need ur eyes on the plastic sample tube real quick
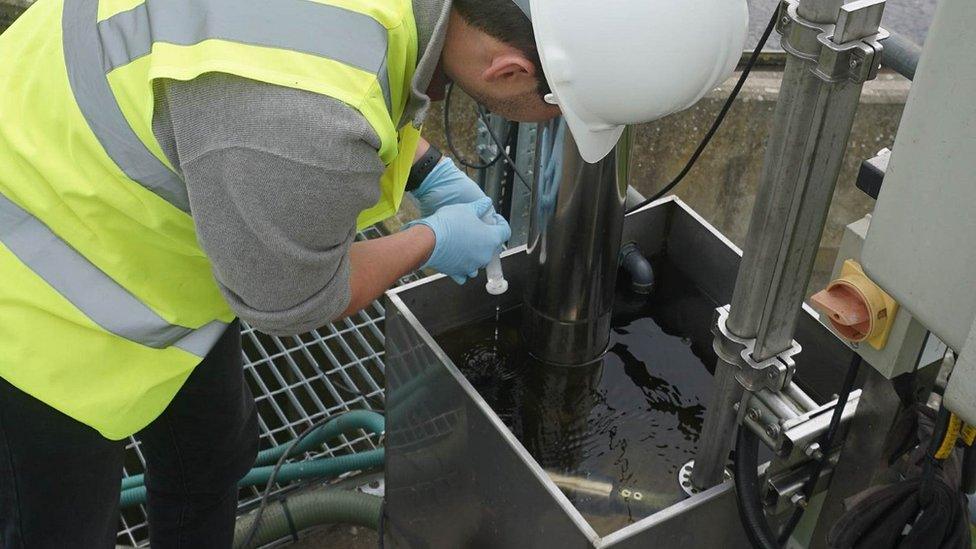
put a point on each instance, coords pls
(497, 285)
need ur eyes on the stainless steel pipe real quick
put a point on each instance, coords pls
(574, 240)
(806, 146)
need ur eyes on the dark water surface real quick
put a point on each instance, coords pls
(615, 432)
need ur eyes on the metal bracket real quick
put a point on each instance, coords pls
(800, 435)
(782, 490)
(796, 444)
(795, 439)
(848, 51)
(773, 373)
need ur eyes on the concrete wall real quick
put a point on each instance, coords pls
(723, 184)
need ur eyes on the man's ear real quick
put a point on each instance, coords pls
(508, 66)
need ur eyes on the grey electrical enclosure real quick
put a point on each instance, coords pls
(921, 247)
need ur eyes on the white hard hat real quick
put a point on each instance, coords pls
(611, 63)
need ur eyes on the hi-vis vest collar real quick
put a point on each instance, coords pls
(92, 51)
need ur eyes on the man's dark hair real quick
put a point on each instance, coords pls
(503, 20)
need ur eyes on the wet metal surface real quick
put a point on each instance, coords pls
(457, 474)
(627, 422)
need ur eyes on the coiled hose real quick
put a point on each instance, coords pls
(134, 490)
(302, 511)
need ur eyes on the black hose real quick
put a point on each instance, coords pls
(638, 268)
(901, 55)
(826, 443)
(747, 490)
(747, 475)
(969, 470)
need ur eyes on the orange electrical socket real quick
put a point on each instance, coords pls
(857, 308)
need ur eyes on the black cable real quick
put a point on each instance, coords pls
(747, 488)
(367, 397)
(718, 120)
(969, 470)
(929, 463)
(382, 523)
(826, 443)
(502, 153)
(450, 140)
(501, 148)
(265, 496)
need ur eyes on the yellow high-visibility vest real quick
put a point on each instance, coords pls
(107, 302)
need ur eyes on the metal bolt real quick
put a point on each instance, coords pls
(625, 493)
(638, 496)
(813, 450)
(855, 63)
(772, 431)
(754, 414)
(798, 500)
(785, 20)
(771, 374)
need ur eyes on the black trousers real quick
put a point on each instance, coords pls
(59, 479)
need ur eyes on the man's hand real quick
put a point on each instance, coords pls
(466, 238)
(446, 185)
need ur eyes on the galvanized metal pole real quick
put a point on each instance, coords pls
(811, 127)
(521, 196)
(574, 240)
(820, 11)
(491, 178)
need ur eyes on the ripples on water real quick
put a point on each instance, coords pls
(629, 421)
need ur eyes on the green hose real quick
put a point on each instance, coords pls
(371, 422)
(316, 468)
(307, 509)
(134, 490)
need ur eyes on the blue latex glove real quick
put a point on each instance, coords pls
(445, 185)
(467, 236)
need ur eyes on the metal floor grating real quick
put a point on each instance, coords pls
(296, 381)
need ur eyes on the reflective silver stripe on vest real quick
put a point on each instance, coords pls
(92, 50)
(83, 60)
(304, 26)
(93, 292)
